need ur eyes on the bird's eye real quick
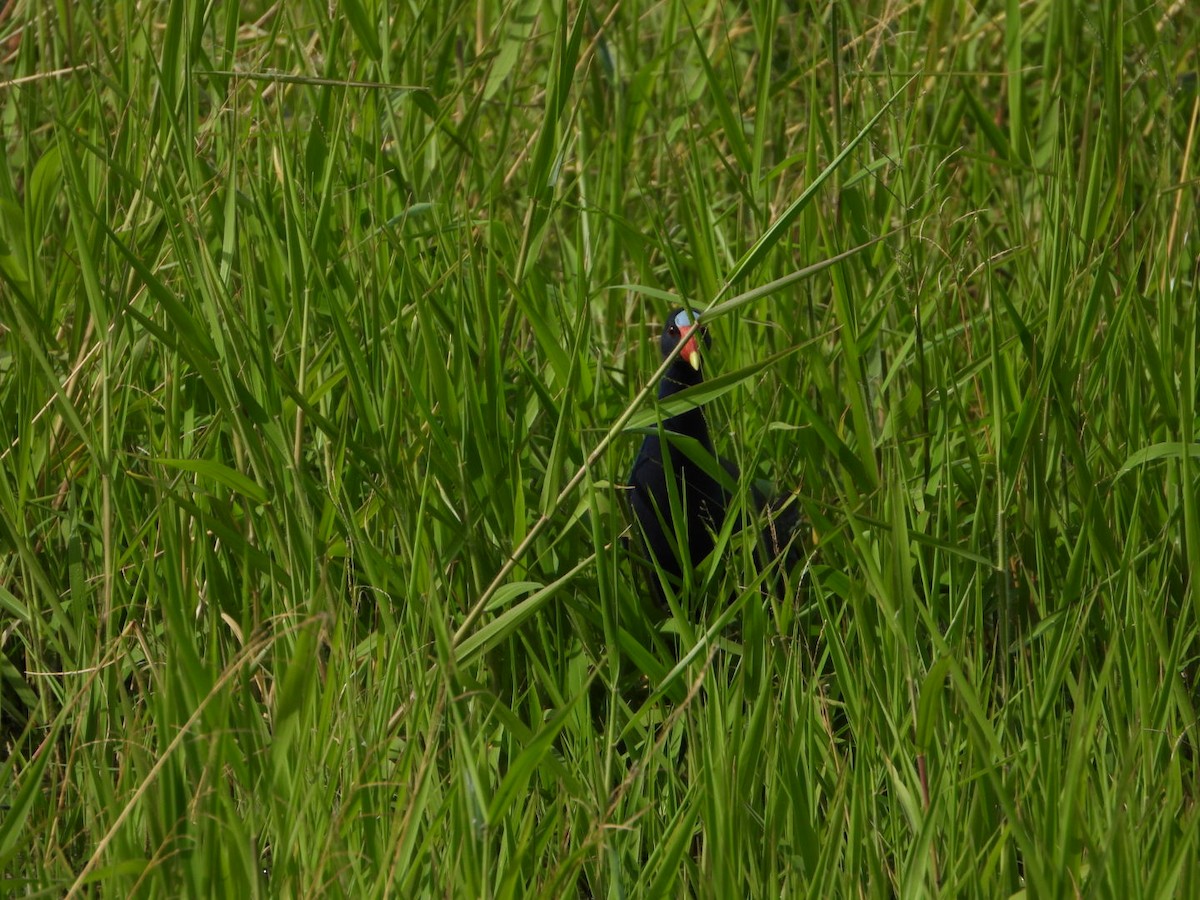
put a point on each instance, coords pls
(673, 331)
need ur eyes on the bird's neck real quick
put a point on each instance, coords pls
(692, 421)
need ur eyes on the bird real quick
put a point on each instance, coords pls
(689, 468)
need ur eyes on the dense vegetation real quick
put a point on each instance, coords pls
(326, 337)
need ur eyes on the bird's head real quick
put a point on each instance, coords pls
(685, 326)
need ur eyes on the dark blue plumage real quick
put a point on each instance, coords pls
(702, 501)
(701, 497)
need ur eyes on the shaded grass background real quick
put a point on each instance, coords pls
(306, 320)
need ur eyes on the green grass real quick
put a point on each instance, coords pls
(320, 341)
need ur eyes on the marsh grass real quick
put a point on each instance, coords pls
(321, 341)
